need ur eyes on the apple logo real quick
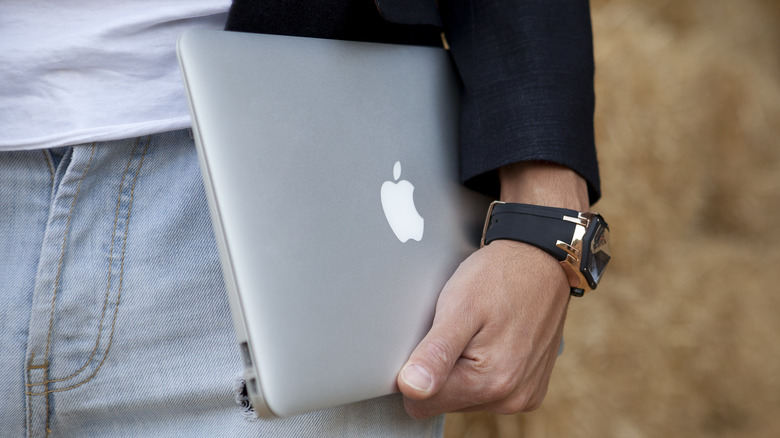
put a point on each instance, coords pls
(398, 204)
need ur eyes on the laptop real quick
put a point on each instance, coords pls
(331, 170)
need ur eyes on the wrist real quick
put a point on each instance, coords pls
(545, 184)
(578, 240)
(567, 231)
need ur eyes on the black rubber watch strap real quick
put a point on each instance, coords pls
(539, 226)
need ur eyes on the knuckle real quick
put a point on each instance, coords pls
(497, 391)
(535, 402)
(509, 409)
(511, 399)
(531, 402)
(519, 403)
(503, 385)
(533, 405)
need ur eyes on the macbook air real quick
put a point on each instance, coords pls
(331, 170)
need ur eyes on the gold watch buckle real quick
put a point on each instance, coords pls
(573, 249)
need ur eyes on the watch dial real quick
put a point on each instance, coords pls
(599, 253)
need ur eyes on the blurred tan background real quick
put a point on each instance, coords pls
(682, 338)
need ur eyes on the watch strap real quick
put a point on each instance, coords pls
(539, 226)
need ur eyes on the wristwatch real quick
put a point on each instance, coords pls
(579, 241)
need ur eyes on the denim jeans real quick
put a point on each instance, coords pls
(113, 315)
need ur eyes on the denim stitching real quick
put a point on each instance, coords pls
(45, 365)
(119, 292)
(50, 165)
(62, 255)
(30, 366)
(108, 287)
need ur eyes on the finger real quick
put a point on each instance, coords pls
(484, 380)
(525, 398)
(458, 392)
(472, 387)
(481, 375)
(520, 401)
(430, 364)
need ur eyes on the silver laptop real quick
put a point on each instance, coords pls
(331, 169)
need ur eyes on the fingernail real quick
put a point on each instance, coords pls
(417, 377)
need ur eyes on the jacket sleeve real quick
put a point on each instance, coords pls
(527, 70)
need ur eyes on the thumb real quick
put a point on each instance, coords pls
(432, 361)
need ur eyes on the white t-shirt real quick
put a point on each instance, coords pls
(78, 71)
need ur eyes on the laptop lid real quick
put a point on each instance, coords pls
(331, 169)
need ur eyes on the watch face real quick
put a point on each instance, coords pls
(596, 259)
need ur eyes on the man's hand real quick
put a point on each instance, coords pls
(499, 319)
(495, 336)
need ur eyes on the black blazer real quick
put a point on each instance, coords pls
(526, 68)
